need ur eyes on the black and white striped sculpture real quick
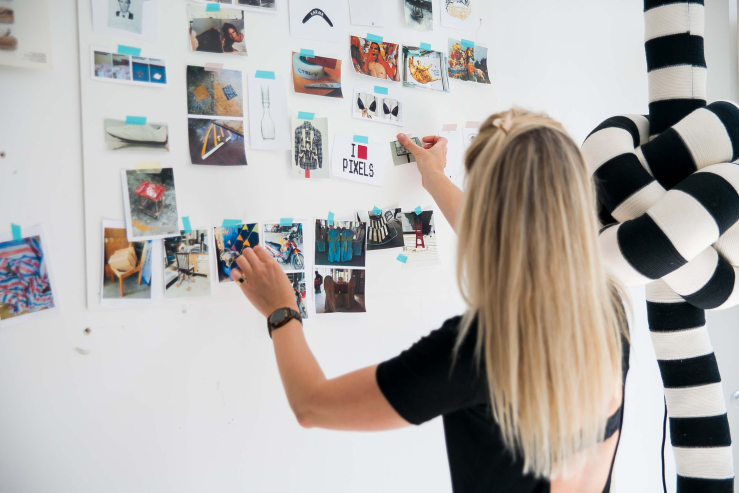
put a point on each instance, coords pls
(669, 200)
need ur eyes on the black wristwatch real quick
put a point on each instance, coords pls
(281, 317)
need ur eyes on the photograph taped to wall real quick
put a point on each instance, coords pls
(285, 244)
(341, 244)
(419, 236)
(297, 280)
(310, 156)
(187, 265)
(469, 132)
(269, 120)
(419, 14)
(367, 13)
(459, 14)
(339, 290)
(216, 142)
(400, 154)
(149, 136)
(135, 19)
(27, 287)
(454, 168)
(150, 203)
(214, 92)
(319, 76)
(109, 66)
(468, 63)
(230, 242)
(25, 34)
(384, 229)
(425, 69)
(221, 31)
(322, 20)
(377, 107)
(375, 59)
(264, 6)
(358, 161)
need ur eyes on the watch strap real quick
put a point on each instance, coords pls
(290, 315)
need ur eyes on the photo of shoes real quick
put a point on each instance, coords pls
(119, 135)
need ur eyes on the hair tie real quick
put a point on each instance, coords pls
(504, 125)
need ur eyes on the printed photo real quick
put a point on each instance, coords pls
(384, 229)
(341, 243)
(216, 142)
(186, 265)
(150, 203)
(114, 67)
(216, 32)
(214, 92)
(126, 15)
(468, 63)
(319, 76)
(297, 279)
(311, 148)
(136, 19)
(425, 69)
(376, 107)
(375, 59)
(459, 14)
(400, 154)
(419, 14)
(127, 267)
(150, 136)
(419, 237)
(322, 20)
(230, 242)
(103, 64)
(285, 244)
(269, 121)
(121, 67)
(367, 12)
(339, 290)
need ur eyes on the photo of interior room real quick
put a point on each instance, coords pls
(127, 266)
(341, 243)
(187, 265)
(341, 291)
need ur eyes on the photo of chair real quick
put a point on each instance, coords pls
(126, 259)
(185, 269)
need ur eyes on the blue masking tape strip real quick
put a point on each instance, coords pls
(230, 223)
(374, 38)
(468, 44)
(307, 53)
(330, 219)
(16, 231)
(286, 221)
(264, 74)
(402, 258)
(376, 210)
(305, 116)
(213, 7)
(361, 139)
(418, 210)
(129, 50)
(135, 120)
(381, 90)
(425, 46)
(186, 224)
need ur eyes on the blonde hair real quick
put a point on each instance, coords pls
(549, 321)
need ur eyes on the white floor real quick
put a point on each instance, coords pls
(198, 286)
(422, 257)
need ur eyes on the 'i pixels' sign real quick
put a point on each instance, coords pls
(358, 160)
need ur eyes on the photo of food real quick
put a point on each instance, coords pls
(419, 14)
(216, 142)
(127, 267)
(214, 92)
(186, 265)
(400, 154)
(230, 241)
(151, 136)
(468, 63)
(425, 69)
(375, 58)
(339, 290)
(342, 242)
(150, 203)
(220, 31)
(319, 76)
(376, 107)
(297, 279)
(384, 229)
(25, 282)
(419, 236)
(285, 244)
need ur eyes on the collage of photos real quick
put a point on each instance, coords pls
(339, 290)
(342, 243)
(376, 107)
(127, 267)
(230, 242)
(375, 59)
(285, 244)
(317, 75)
(186, 265)
(400, 154)
(425, 69)
(113, 67)
(311, 148)
(419, 237)
(149, 136)
(216, 142)
(221, 31)
(150, 204)
(384, 229)
(297, 279)
(269, 121)
(321, 20)
(264, 6)
(468, 63)
(419, 14)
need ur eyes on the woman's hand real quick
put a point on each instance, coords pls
(266, 285)
(431, 158)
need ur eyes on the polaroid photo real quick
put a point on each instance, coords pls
(400, 154)
(187, 265)
(378, 107)
(216, 142)
(27, 288)
(419, 237)
(216, 32)
(367, 13)
(469, 132)
(375, 59)
(425, 69)
(285, 244)
(269, 121)
(297, 279)
(319, 76)
(322, 20)
(468, 63)
(341, 244)
(358, 161)
(214, 92)
(339, 290)
(384, 229)
(454, 169)
(310, 158)
(109, 66)
(264, 6)
(460, 14)
(135, 19)
(230, 242)
(150, 136)
(150, 203)
(419, 14)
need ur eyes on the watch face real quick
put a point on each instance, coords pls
(278, 316)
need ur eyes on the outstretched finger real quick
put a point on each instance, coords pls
(263, 255)
(251, 257)
(244, 266)
(406, 142)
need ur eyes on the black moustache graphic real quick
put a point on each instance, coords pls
(320, 13)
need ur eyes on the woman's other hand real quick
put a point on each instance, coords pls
(267, 286)
(431, 158)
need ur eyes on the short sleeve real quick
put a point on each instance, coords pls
(424, 381)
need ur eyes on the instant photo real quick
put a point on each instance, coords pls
(376, 107)
(341, 243)
(230, 242)
(221, 31)
(150, 136)
(216, 142)
(384, 229)
(419, 237)
(339, 290)
(310, 153)
(187, 265)
(285, 245)
(150, 204)
(322, 20)
(319, 76)
(127, 267)
(269, 121)
(419, 14)
(214, 92)
(425, 69)
(468, 63)
(138, 70)
(400, 154)
(375, 59)
(297, 280)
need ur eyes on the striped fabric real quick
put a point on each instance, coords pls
(24, 282)
(669, 199)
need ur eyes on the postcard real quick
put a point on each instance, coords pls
(269, 120)
(297, 279)
(310, 148)
(214, 92)
(468, 63)
(460, 14)
(400, 154)
(110, 66)
(425, 69)
(322, 20)
(136, 19)
(358, 161)
(216, 142)
(419, 14)
(379, 107)
(221, 31)
(384, 228)
(367, 12)
(187, 265)
(150, 204)
(339, 290)
(419, 236)
(341, 244)
(375, 59)
(149, 136)
(285, 244)
(319, 76)
(230, 242)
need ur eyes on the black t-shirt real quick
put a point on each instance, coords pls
(421, 383)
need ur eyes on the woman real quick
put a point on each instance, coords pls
(233, 40)
(530, 380)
